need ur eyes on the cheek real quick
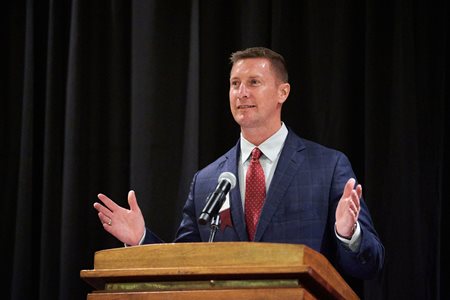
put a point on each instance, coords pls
(233, 93)
(232, 105)
(233, 98)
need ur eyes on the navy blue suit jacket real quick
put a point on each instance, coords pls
(299, 208)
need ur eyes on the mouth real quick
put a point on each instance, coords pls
(245, 106)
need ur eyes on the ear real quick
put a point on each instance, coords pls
(283, 91)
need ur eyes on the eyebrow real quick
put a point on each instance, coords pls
(250, 77)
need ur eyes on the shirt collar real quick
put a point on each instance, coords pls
(270, 147)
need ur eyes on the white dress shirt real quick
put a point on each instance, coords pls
(270, 148)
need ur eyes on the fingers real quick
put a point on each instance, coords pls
(106, 221)
(359, 191)
(114, 217)
(132, 201)
(353, 195)
(102, 210)
(354, 208)
(355, 203)
(108, 202)
(106, 211)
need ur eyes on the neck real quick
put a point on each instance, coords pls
(258, 135)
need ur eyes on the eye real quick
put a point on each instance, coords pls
(255, 82)
(234, 83)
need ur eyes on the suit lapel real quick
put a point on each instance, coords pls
(290, 160)
(235, 195)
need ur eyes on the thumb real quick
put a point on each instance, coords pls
(349, 188)
(132, 201)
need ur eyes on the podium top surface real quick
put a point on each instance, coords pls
(219, 254)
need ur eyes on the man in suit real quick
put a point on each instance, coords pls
(305, 193)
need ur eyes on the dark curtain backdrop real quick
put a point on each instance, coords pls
(107, 96)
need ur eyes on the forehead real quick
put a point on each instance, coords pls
(251, 67)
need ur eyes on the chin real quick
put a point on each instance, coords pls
(239, 118)
(248, 125)
(242, 121)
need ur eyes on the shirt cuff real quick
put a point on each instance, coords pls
(354, 242)
(141, 241)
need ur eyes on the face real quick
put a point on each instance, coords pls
(256, 94)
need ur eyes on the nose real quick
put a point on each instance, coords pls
(243, 91)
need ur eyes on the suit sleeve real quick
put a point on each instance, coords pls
(188, 230)
(367, 262)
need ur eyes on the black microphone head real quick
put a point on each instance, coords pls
(228, 176)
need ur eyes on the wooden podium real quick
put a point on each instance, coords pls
(220, 270)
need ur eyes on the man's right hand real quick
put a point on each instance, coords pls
(127, 225)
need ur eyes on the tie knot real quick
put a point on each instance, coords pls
(256, 153)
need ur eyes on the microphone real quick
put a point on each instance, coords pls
(227, 181)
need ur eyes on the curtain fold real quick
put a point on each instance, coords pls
(23, 264)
